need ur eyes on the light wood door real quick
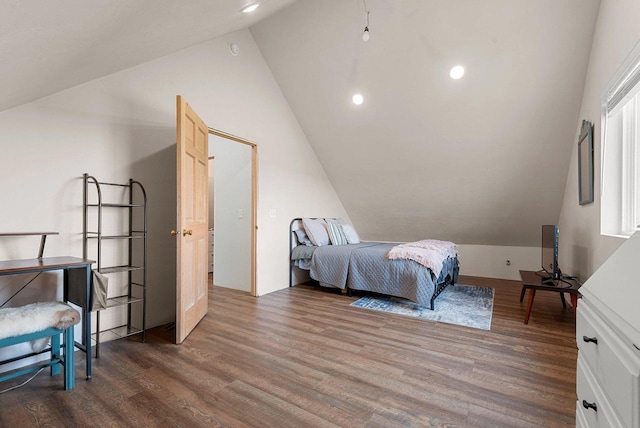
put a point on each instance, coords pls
(192, 220)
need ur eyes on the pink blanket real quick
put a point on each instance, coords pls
(430, 253)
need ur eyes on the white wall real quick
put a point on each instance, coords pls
(582, 248)
(123, 125)
(232, 194)
(489, 261)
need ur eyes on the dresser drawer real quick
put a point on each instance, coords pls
(614, 366)
(593, 409)
(581, 419)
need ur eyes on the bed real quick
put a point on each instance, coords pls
(363, 266)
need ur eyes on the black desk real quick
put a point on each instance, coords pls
(532, 281)
(43, 264)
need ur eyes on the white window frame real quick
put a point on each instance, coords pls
(620, 149)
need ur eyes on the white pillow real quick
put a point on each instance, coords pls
(336, 234)
(316, 231)
(351, 234)
(303, 239)
(338, 220)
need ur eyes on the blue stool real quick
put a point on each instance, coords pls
(58, 359)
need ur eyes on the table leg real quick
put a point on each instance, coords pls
(86, 317)
(574, 303)
(524, 290)
(80, 280)
(564, 302)
(532, 294)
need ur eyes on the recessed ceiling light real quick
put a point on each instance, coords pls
(251, 8)
(457, 72)
(357, 99)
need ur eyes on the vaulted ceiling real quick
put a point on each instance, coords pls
(480, 160)
(49, 46)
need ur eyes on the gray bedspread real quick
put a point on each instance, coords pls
(330, 263)
(364, 267)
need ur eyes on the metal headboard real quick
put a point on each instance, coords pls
(296, 224)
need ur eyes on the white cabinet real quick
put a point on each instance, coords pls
(608, 373)
(608, 339)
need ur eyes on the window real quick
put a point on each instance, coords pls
(620, 197)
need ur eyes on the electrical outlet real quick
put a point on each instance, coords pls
(508, 262)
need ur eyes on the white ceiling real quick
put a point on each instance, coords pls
(481, 160)
(48, 46)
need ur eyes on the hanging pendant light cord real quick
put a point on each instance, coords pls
(365, 35)
(366, 9)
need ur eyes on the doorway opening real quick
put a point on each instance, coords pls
(233, 194)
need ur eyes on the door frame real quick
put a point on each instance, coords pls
(211, 173)
(254, 198)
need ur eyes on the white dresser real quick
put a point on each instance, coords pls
(608, 338)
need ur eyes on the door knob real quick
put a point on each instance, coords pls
(175, 232)
(187, 232)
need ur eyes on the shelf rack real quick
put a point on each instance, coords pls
(137, 210)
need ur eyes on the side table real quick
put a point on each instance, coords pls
(533, 282)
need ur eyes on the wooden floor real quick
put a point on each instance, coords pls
(303, 357)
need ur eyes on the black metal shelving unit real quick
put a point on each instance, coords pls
(136, 235)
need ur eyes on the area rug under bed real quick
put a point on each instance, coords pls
(466, 305)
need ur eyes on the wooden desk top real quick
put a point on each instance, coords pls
(531, 279)
(9, 267)
(28, 233)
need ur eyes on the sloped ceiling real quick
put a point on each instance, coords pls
(49, 46)
(481, 160)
